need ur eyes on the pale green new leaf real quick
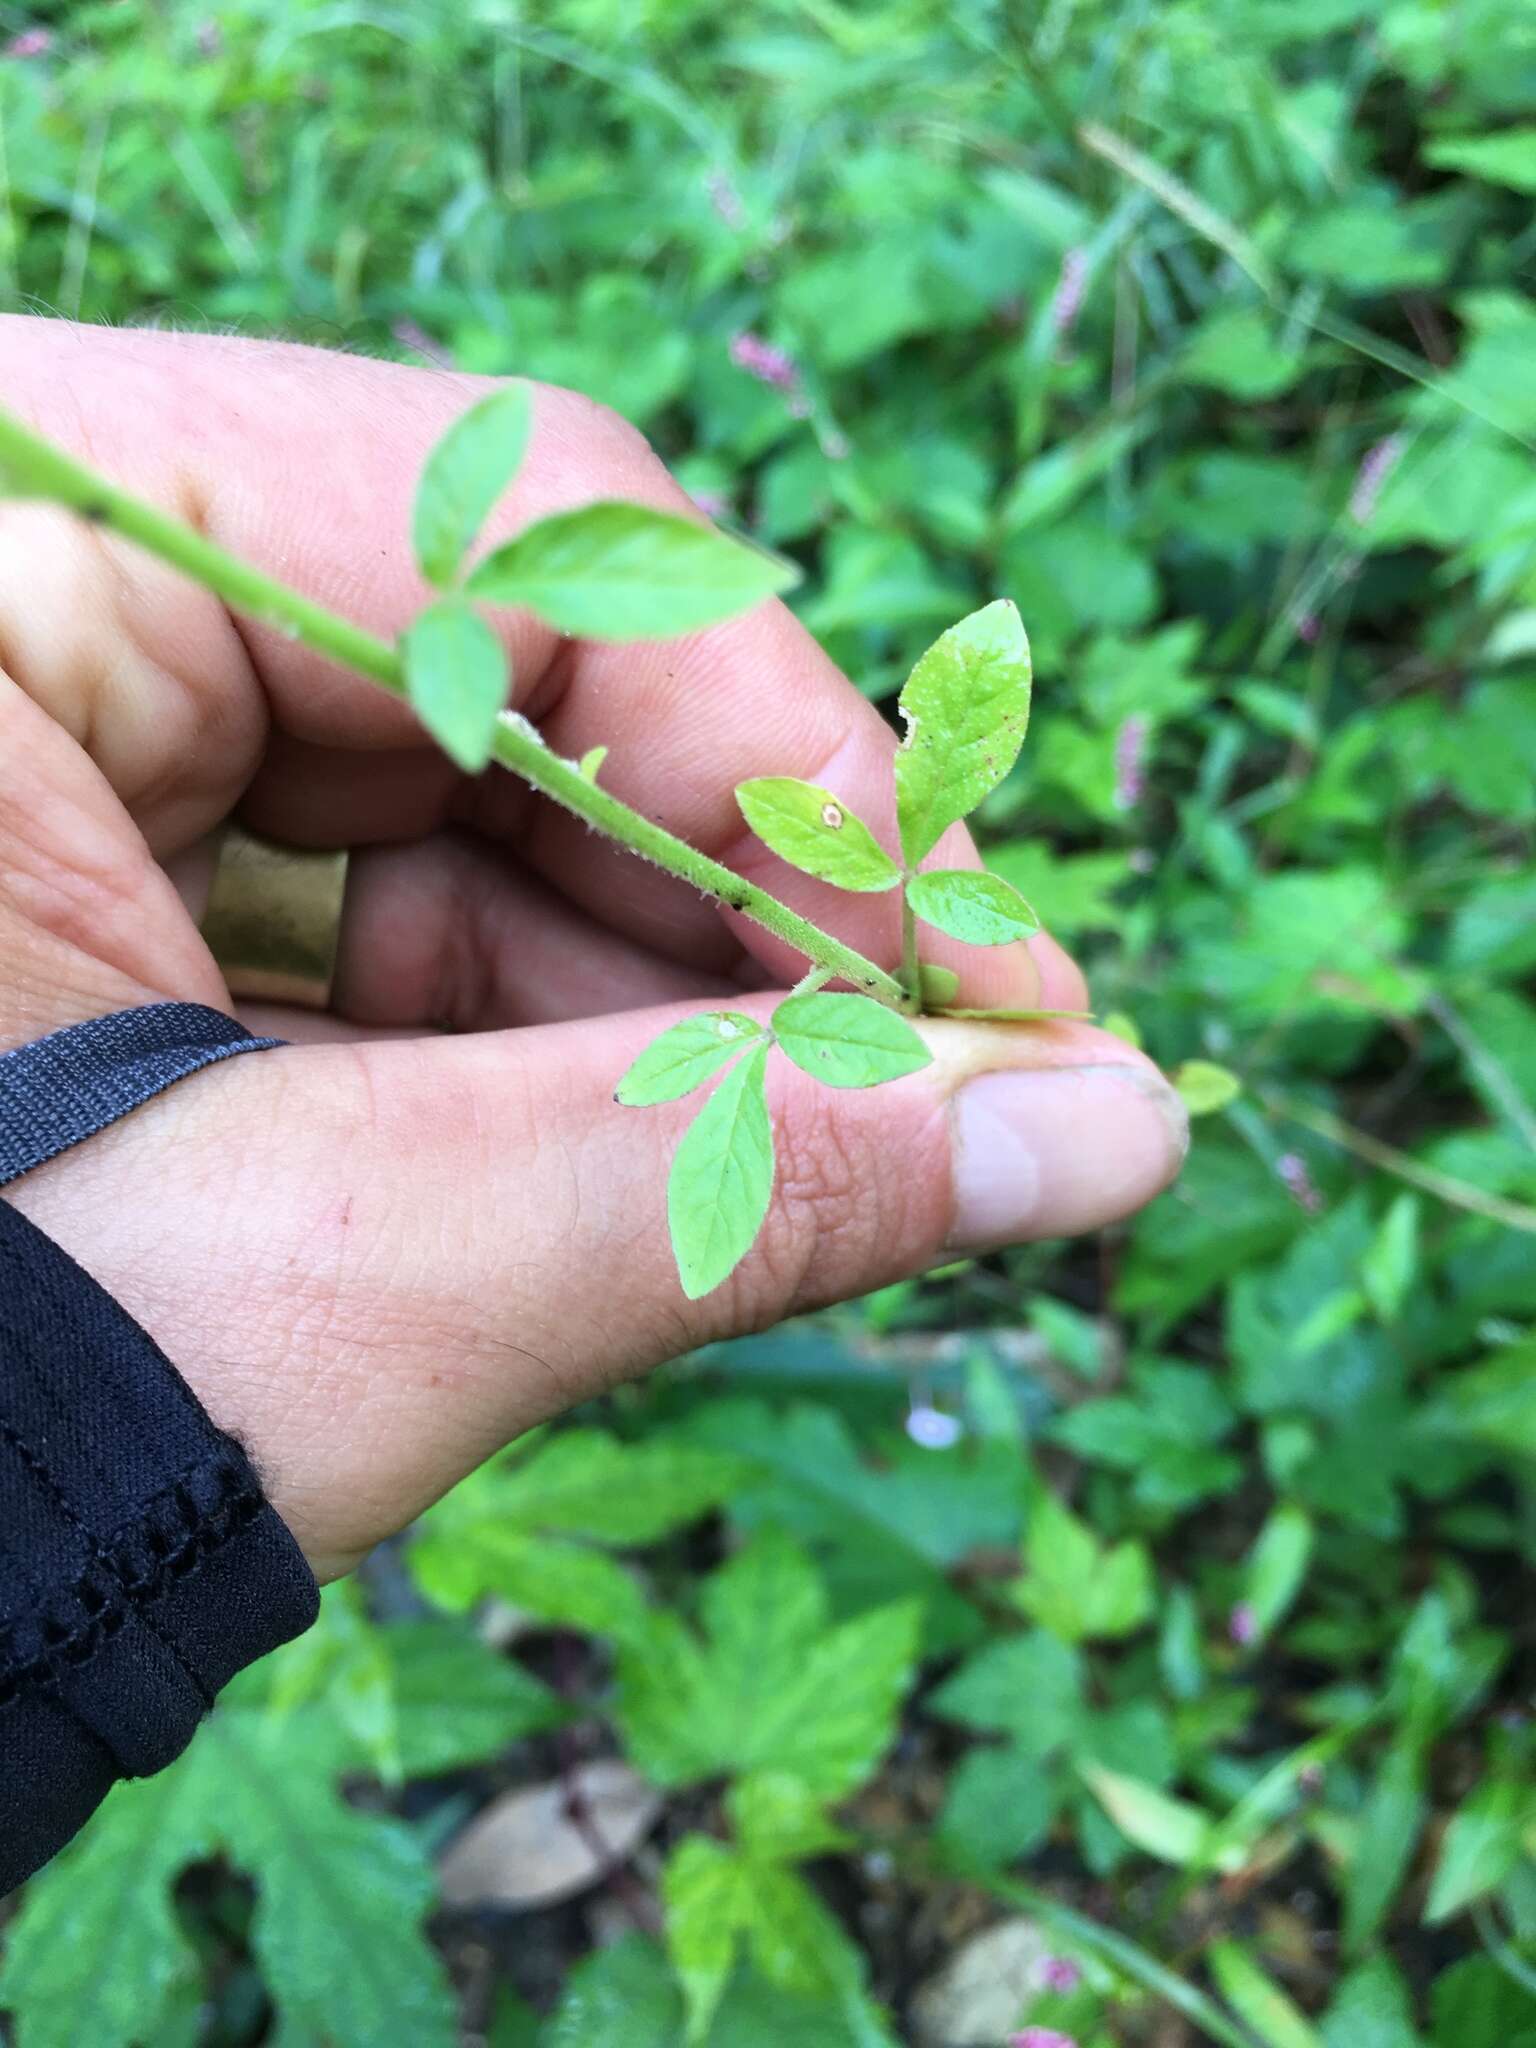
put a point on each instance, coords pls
(465, 474)
(979, 908)
(613, 571)
(722, 1179)
(457, 678)
(1277, 1565)
(584, 1482)
(848, 1041)
(778, 1819)
(685, 1056)
(562, 1583)
(1205, 1087)
(704, 1890)
(816, 832)
(966, 706)
(1256, 1998)
(1170, 1829)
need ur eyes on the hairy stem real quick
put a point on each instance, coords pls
(32, 467)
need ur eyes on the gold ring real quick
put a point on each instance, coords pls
(273, 920)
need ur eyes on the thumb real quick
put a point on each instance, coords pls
(379, 1262)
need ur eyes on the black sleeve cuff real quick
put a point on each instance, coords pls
(140, 1564)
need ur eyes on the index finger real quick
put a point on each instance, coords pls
(304, 463)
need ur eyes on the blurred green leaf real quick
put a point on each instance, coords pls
(458, 680)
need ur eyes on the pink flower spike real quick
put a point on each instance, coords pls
(1131, 762)
(1377, 465)
(772, 366)
(1068, 302)
(1242, 1624)
(1058, 1973)
(1041, 2037)
(32, 42)
(1298, 1182)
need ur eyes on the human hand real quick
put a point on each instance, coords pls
(377, 1255)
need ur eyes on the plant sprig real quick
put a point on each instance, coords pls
(619, 571)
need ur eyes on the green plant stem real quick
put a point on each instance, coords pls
(32, 467)
(1460, 1194)
(911, 971)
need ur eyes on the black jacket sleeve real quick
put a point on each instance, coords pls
(140, 1564)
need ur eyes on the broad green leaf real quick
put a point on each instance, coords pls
(966, 705)
(1206, 1087)
(979, 908)
(563, 1583)
(769, 1685)
(1030, 1687)
(778, 1819)
(1000, 1805)
(722, 1179)
(1507, 158)
(1482, 1846)
(1493, 1404)
(1277, 1566)
(1256, 1998)
(1372, 2008)
(1170, 1829)
(848, 1041)
(1384, 1843)
(1389, 1267)
(458, 679)
(816, 832)
(1073, 1585)
(464, 476)
(685, 1056)
(583, 1482)
(624, 572)
(98, 1954)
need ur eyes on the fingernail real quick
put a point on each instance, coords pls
(1049, 1151)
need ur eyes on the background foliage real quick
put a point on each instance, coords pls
(1163, 1598)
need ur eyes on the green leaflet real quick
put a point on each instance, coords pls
(1205, 1087)
(1170, 1829)
(686, 1055)
(966, 706)
(464, 476)
(722, 1178)
(1277, 1566)
(1482, 1846)
(1255, 1998)
(613, 571)
(814, 831)
(979, 908)
(848, 1041)
(458, 679)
